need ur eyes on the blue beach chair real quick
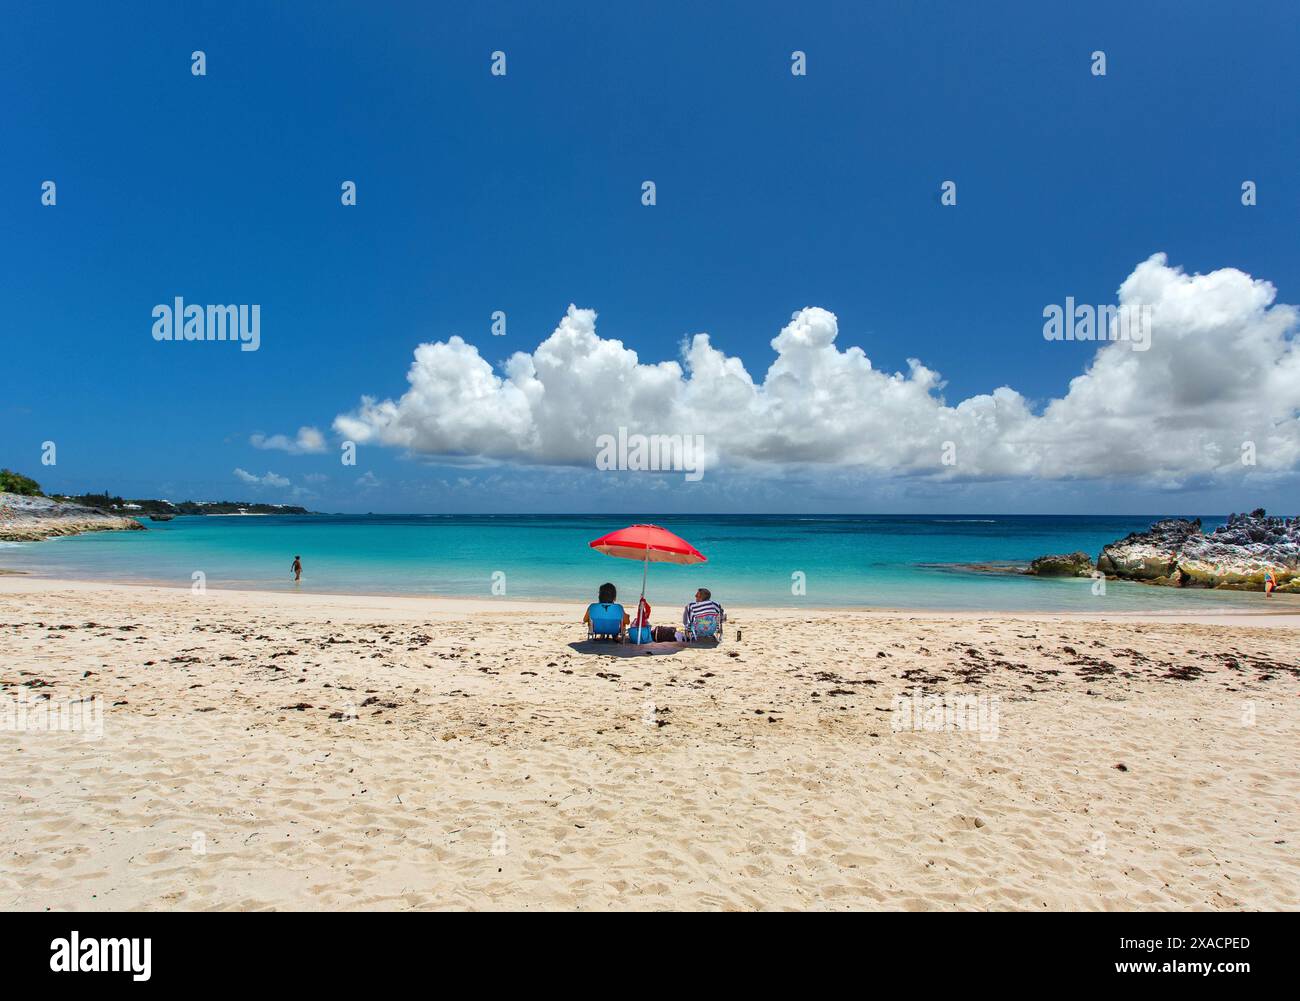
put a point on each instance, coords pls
(606, 620)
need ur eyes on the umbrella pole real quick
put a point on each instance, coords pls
(645, 567)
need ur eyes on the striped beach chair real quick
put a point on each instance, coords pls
(705, 626)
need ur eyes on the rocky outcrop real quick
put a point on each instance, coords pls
(31, 519)
(1068, 565)
(1151, 555)
(1234, 556)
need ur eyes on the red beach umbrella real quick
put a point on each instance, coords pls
(649, 544)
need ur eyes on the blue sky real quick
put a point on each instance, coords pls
(522, 193)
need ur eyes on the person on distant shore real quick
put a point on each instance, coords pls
(702, 605)
(297, 568)
(607, 602)
(1270, 582)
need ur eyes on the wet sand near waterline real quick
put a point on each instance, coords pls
(327, 752)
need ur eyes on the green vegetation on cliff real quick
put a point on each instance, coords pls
(16, 483)
(140, 506)
(25, 486)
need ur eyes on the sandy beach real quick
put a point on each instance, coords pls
(327, 752)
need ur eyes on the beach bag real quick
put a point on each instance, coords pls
(642, 633)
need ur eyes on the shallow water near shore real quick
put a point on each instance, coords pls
(883, 561)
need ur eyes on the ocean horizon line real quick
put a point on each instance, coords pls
(791, 515)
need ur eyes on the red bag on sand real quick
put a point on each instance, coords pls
(643, 612)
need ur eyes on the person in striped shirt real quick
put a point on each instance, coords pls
(702, 604)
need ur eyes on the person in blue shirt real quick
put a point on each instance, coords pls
(607, 602)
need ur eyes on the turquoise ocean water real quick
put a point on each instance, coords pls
(886, 561)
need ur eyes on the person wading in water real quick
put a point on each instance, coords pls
(297, 568)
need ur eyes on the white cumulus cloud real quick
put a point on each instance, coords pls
(269, 480)
(1223, 368)
(309, 440)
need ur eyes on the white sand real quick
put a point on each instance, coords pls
(492, 763)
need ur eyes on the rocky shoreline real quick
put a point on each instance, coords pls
(33, 519)
(1177, 553)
